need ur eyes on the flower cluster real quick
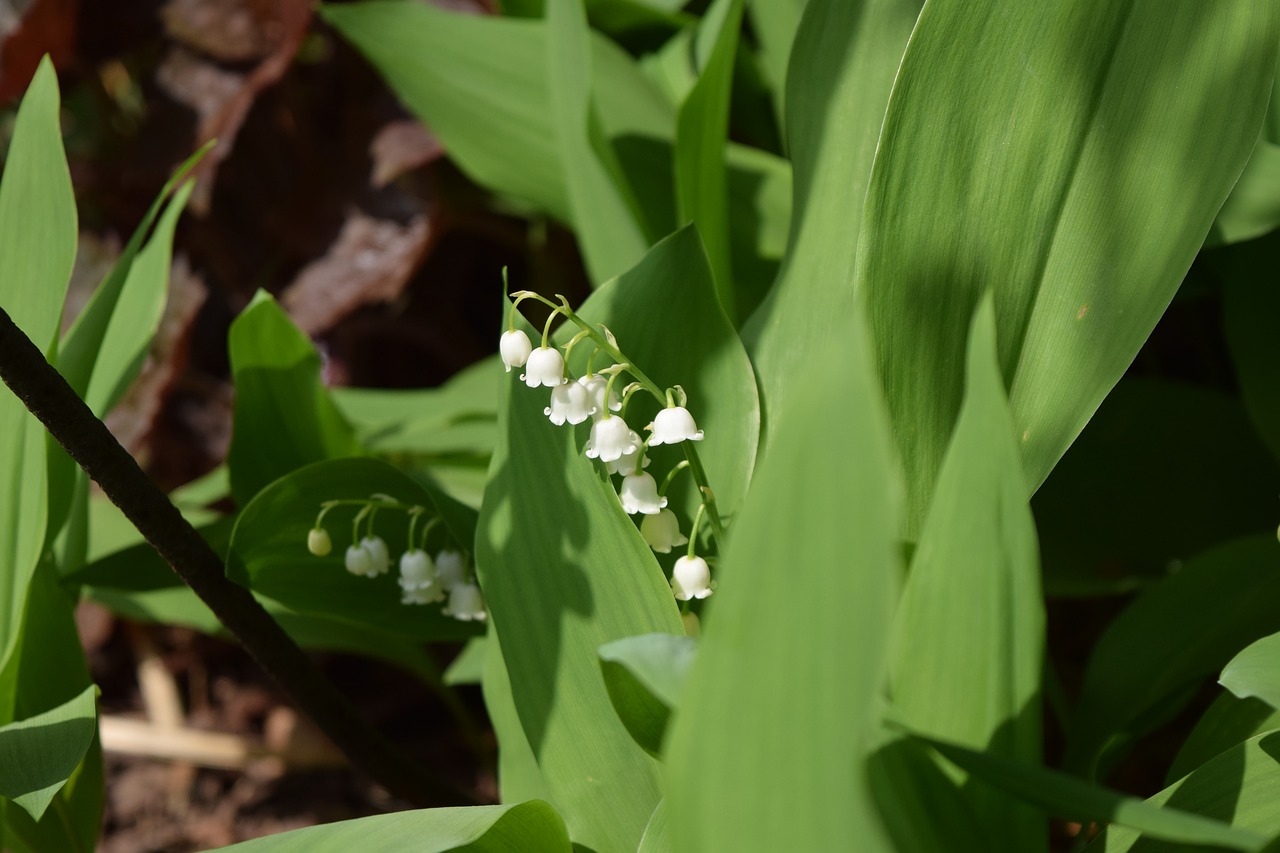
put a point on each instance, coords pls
(423, 579)
(621, 449)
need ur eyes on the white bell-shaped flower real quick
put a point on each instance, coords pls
(430, 595)
(515, 348)
(360, 562)
(662, 531)
(545, 366)
(627, 464)
(379, 556)
(451, 568)
(691, 578)
(639, 493)
(570, 402)
(673, 426)
(318, 542)
(465, 603)
(597, 386)
(611, 439)
(418, 578)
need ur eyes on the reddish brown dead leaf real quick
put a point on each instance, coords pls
(228, 30)
(371, 261)
(401, 146)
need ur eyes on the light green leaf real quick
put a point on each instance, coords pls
(38, 754)
(468, 666)
(283, 417)
(1228, 722)
(1167, 641)
(532, 827)
(1170, 494)
(644, 676)
(37, 249)
(843, 63)
(268, 549)
(1240, 788)
(1066, 796)
(921, 805)
(969, 632)
(766, 751)
(519, 777)
(702, 128)
(607, 229)
(1253, 208)
(1027, 150)
(564, 571)
(657, 835)
(775, 23)
(1255, 672)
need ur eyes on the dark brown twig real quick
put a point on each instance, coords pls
(43, 390)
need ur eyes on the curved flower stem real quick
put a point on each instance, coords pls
(695, 464)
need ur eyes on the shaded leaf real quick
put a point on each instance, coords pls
(1255, 672)
(1228, 722)
(644, 676)
(39, 753)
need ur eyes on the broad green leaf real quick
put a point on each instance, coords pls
(657, 835)
(138, 567)
(921, 805)
(1253, 208)
(1240, 787)
(1228, 722)
(564, 571)
(969, 632)
(775, 23)
(1167, 641)
(1255, 671)
(37, 248)
(702, 128)
(72, 820)
(607, 229)
(1251, 311)
(1066, 796)
(532, 827)
(283, 417)
(39, 753)
(268, 549)
(644, 676)
(766, 750)
(1170, 493)
(468, 666)
(519, 777)
(843, 62)
(1027, 150)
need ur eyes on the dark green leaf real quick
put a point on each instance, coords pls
(39, 753)
(1228, 722)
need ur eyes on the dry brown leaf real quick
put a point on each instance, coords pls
(399, 147)
(371, 261)
(228, 30)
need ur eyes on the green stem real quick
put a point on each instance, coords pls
(671, 475)
(708, 496)
(693, 532)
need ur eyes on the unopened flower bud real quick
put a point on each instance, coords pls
(318, 542)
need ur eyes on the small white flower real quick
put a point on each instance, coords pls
(570, 402)
(662, 531)
(691, 578)
(360, 561)
(639, 493)
(673, 426)
(430, 595)
(515, 348)
(596, 386)
(451, 568)
(379, 556)
(318, 542)
(627, 464)
(465, 603)
(611, 439)
(417, 572)
(545, 366)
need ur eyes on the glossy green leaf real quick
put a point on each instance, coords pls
(268, 549)
(533, 827)
(39, 753)
(564, 571)
(1170, 493)
(702, 128)
(1228, 722)
(1027, 150)
(644, 676)
(843, 64)
(607, 229)
(1240, 787)
(1251, 308)
(766, 751)
(37, 248)
(519, 777)
(1068, 797)
(284, 417)
(1167, 641)
(969, 632)
(1255, 671)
